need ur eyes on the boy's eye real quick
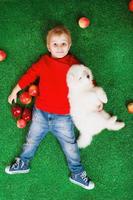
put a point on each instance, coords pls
(64, 44)
(55, 44)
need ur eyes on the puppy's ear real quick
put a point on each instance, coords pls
(71, 76)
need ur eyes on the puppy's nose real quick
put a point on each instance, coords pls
(88, 76)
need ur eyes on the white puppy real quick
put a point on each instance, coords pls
(86, 105)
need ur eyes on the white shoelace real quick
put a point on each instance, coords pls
(84, 176)
(16, 164)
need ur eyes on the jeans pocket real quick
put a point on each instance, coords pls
(38, 115)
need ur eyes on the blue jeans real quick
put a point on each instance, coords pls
(62, 127)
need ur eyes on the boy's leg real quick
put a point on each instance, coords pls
(38, 129)
(63, 129)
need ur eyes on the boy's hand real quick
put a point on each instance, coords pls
(13, 95)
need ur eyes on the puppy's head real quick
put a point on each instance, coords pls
(79, 76)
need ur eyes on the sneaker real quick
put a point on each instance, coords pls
(82, 180)
(18, 167)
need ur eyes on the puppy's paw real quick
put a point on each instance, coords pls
(113, 119)
(119, 125)
(116, 126)
(81, 144)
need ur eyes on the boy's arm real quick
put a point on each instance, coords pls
(26, 79)
(31, 75)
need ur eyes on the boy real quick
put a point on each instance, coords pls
(51, 110)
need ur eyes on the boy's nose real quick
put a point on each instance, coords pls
(59, 47)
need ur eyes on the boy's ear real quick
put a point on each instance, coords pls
(48, 47)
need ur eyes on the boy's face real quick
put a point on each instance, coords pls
(59, 45)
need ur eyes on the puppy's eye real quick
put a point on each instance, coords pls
(80, 78)
(88, 76)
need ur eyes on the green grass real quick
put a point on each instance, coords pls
(106, 46)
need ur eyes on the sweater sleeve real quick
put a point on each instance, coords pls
(74, 60)
(31, 75)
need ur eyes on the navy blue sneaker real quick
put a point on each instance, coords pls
(82, 180)
(18, 167)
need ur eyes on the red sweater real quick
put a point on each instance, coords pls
(53, 88)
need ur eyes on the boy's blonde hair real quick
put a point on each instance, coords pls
(58, 30)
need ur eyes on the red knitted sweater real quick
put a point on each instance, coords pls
(53, 88)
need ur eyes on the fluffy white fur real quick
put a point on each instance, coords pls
(86, 105)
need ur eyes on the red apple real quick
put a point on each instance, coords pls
(16, 111)
(25, 98)
(2, 55)
(33, 90)
(130, 6)
(84, 22)
(26, 114)
(130, 107)
(21, 123)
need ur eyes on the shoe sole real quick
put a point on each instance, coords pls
(16, 172)
(83, 186)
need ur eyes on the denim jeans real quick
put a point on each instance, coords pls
(63, 129)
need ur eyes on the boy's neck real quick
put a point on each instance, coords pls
(58, 58)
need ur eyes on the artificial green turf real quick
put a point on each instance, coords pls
(106, 46)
